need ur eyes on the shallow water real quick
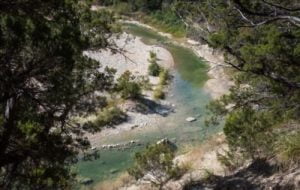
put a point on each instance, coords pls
(185, 92)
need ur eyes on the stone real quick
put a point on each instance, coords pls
(190, 119)
(86, 181)
(113, 171)
(134, 126)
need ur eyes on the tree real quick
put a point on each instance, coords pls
(261, 42)
(156, 162)
(128, 88)
(45, 80)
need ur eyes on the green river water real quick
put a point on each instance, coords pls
(185, 92)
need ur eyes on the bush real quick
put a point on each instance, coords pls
(289, 148)
(127, 87)
(154, 69)
(159, 93)
(231, 160)
(156, 160)
(108, 117)
(164, 77)
(250, 132)
(144, 83)
(153, 56)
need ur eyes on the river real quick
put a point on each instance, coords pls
(185, 91)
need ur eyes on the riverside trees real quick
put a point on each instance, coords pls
(261, 43)
(44, 80)
(261, 40)
(155, 164)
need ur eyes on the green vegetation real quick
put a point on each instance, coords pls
(109, 117)
(263, 48)
(167, 21)
(288, 149)
(156, 160)
(158, 13)
(45, 79)
(144, 82)
(153, 69)
(158, 93)
(127, 87)
(164, 77)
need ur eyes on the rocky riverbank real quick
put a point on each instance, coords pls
(133, 56)
(204, 158)
(219, 83)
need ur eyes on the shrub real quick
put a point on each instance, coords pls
(289, 148)
(108, 117)
(127, 87)
(250, 132)
(153, 55)
(231, 160)
(144, 83)
(158, 93)
(156, 160)
(164, 76)
(154, 69)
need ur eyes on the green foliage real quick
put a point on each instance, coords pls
(154, 69)
(158, 93)
(135, 5)
(250, 132)
(267, 89)
(159, 13)
(164, 77)
(167, 21)
(153, 56)
(122, 8)
(144, 83)
(109, 117)
(127, 87)
(45, 80)
(230, 160)
(156, 160)
(288, 148)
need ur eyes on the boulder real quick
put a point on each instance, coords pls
(190, 119)
(86, 181)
